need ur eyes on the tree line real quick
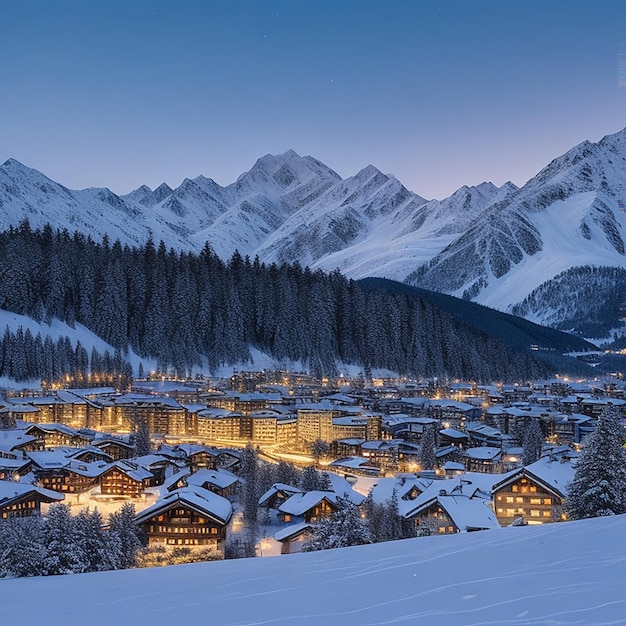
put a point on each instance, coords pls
(189, 310)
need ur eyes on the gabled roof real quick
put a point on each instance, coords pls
(483, 453)
(554, 475)
(286, 490)
(198, 499)
(132, 470)
(220, 478)
(10, 490)
(289, 533)
(300, 503)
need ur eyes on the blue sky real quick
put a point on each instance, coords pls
(440, 94)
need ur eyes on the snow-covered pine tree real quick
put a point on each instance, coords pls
(532, 442)
(319, 449)
(599, 485)
(124, 535)
(143, 444)
(310, 479)
(344, 527)
(21, 547)
(249, 473)
(426, 455)
(392, 525)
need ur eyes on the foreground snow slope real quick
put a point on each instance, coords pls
(568, 573)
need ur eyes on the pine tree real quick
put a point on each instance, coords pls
(426, 455)
(320, 449)
(311, 480)
(599, 485)
(143, 444)
(124, 534)
(249, 473)
(345, 527)
(532, 442)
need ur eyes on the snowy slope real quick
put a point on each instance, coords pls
(570, 215)
(414, 233)
(569, 573)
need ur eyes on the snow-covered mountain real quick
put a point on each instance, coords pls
(569, 217)
(528, 250)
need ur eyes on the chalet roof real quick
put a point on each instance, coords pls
(10, 490)
(382, 491)
(344, 489)
(189, 449)
(469, 513)
(14, 438)
(300, 503)
(446, 403)
(483, 453)
(198, 499)
(287, 490)
(289, 533)
(381, 444)
(353, 462)
(453, 433)
(220, 478)
(169, 484)
(555, 474)
(106, 442)
(10, 407)
(13, 464)
(132, 470)
(53, 427)
(469, 484)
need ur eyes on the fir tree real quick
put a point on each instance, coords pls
(320, 449)
(124, 535)
(249, 473)
(532, 442)
(599, 484)
(426, 455)
(345, 527)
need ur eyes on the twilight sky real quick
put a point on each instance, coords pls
(119, 93)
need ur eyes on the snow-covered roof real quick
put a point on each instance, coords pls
(453, 433)
(484, 453)
(469, 513)
(132, 470)
(344, 489)
(553, 473)
(300, 503)
(13, 438)
(287, 490)
(353, 462)
(221, 478)
(292, 531)
(199, 499)
(9, 489)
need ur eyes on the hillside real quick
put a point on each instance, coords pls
(570, 573)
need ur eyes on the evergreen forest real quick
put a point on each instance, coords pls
(188, 311)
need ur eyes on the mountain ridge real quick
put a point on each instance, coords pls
(493, 245)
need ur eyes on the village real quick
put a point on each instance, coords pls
(456, 457)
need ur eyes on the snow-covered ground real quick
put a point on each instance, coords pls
(570, 573)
